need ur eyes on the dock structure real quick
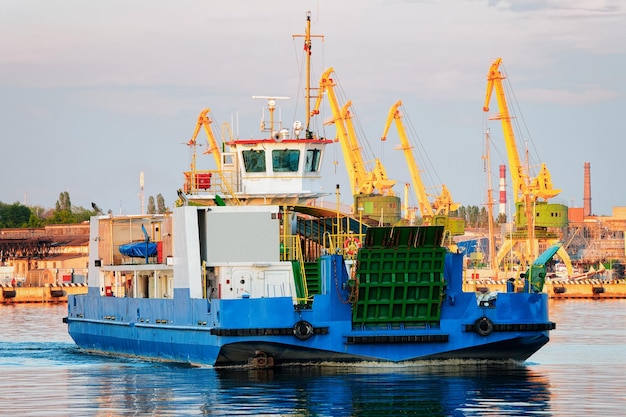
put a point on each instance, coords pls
(43, 264)
(595, 289)
(46, 294)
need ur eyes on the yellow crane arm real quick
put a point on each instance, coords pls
(366, 181)
(519, 176)
(324, 80)
(420, 192)
(326, 85)
(523, 185)
(205, 122)
(371, 180)
(362, 183)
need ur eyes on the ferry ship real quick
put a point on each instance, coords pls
(251, 270)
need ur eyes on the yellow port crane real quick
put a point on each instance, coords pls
(201, 180)
(432, 213)
(533, 213)
(204, 121)
(362, 181)
(541, 186)
(376, 179)
(372, 189)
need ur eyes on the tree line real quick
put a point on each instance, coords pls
(17, 215)
(476, 217)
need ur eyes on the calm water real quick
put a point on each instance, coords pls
(581, 372)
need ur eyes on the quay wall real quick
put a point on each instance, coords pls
(45, 294)
(583, 289)
(587, 289)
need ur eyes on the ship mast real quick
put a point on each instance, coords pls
(307, 47)
(492, 244)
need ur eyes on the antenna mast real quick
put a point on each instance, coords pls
(307, 47)
(492, 244)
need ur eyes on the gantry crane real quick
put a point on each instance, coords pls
(438, 211)
(533, 213)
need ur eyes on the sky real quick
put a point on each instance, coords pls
(94, 93)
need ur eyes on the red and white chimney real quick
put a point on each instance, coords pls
(502, 201)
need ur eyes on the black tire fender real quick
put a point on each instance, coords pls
(483, 326)
(303, 330)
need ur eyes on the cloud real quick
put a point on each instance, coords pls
(580, 8)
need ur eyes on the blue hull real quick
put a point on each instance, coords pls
(230, 332)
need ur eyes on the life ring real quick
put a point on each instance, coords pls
(303, 330)
(351, 245)
(483, 326)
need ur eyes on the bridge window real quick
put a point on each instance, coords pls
(254, 161)
(285, 160)
(312, 160)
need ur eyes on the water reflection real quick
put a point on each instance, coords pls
(39, 362)
(463, 389)
(579, 373)
(420, 390)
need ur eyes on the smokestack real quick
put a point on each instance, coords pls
(502, 201)
(587, 191)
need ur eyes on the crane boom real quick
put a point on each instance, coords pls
(523, 185)
(213, 148)
(367, 181)
(362, 181)
(326, 84)
(418, 185)
(438, 212)
(443, 203)
(519, 176)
